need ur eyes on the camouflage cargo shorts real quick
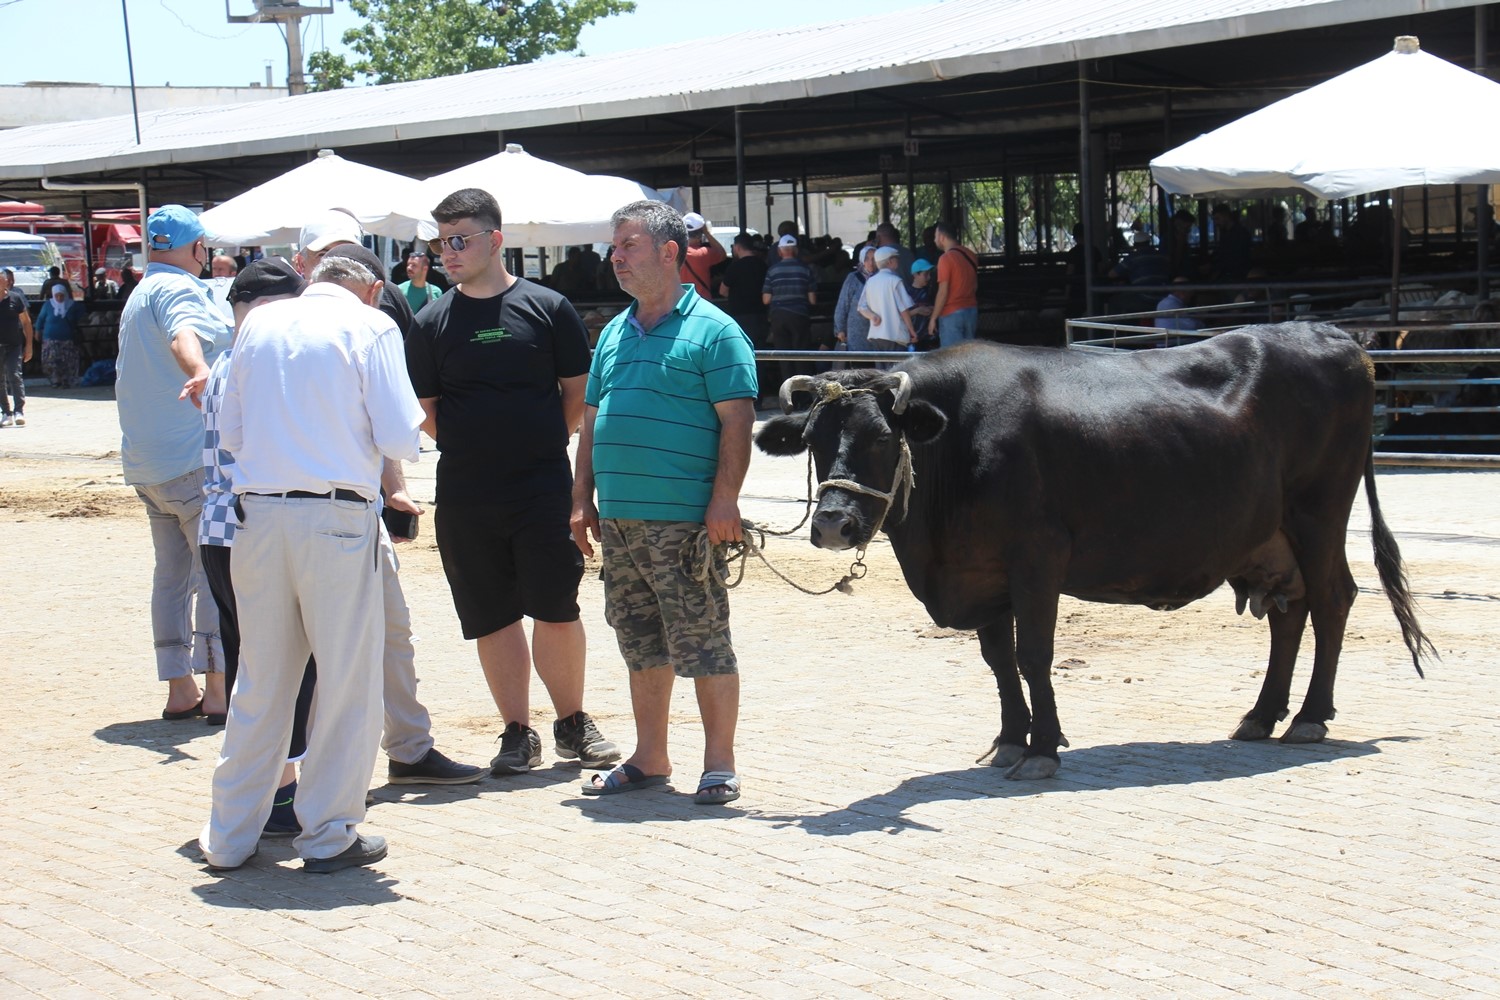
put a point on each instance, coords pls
(660, 614)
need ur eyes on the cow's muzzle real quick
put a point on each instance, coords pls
(833, 529)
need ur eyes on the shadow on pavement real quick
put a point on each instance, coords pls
(1087, 769)
(659, 803)
(274, 880)
(159, 736)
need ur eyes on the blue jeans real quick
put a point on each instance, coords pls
(12, 386)
(958, 326)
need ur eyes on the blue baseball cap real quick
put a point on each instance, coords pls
(173, 226)
(919, 265)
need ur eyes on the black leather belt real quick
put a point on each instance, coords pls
(349, 495)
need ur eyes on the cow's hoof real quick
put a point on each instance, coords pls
(1031, 768)
(1305, 732)
(1252, 729)
(1007, 755)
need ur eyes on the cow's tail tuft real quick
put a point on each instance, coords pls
(1393, 574)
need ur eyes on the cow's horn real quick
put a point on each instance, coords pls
(902, 391)
(804, 383)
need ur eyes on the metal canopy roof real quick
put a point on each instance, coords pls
(931, 44)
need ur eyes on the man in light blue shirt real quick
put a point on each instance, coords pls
(172, 328)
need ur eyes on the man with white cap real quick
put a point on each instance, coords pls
(704, 253)
(170, 327)
(102, 287)
(887, 305)
(333, 228)
(790, 290)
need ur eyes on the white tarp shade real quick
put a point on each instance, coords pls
(541, 203)
(1407, 119)
(273, 213)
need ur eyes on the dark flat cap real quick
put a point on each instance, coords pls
(360, 255)
(267, 276)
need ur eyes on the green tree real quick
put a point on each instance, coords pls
(328, 71)
(422, 39)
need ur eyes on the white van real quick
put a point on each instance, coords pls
(29, 256)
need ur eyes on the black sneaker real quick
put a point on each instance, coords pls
(520, 750)
(433, 769)
(579, 739)
(364, 851)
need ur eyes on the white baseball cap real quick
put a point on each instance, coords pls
(787, 241)
(329, 228)
(693, 221)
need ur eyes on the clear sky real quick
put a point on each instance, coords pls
(191, 43)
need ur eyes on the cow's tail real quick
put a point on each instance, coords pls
(1393, 574)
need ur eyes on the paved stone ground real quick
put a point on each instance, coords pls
(869, 856)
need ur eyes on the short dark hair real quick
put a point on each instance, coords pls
(661, 220)
(946, 229)
(469, 203)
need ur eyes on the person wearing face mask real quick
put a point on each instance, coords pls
(172, 327)
(58, 324)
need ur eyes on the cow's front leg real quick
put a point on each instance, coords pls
(998, 644)
(1036, 621)
(1275, 691)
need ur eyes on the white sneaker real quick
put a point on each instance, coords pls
(7, 420)
(20, 420)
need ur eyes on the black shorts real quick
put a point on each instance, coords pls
(506, 561)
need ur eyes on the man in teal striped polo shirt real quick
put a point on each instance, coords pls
(669, 407)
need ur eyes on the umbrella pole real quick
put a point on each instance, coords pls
(1397, 207)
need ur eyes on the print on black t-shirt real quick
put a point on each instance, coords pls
(494, 365)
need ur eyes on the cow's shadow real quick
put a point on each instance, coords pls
(1087, 769)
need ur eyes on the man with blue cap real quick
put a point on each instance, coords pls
(172, 329)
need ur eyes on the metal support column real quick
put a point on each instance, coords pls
(1086, 188)
(739, 166)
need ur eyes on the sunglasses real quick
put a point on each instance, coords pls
(455, 243)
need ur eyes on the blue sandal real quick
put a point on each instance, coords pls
(625, 778)
(708, 788)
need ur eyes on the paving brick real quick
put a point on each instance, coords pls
(869, 857)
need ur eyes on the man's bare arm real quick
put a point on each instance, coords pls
(429, 422)
(736, 421)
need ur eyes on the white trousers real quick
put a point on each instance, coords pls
(408, 726)
(308, 579)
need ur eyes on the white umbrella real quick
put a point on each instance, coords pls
(274, 212)
(1407, 119)
(541, 203)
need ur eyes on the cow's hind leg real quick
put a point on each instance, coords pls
(1036, 621)
(1329, 604)
(1275, 693)
(998, 644)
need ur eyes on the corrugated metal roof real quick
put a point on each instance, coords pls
(940, 41)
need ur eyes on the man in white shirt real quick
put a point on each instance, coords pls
(887, 305)
(306, 567)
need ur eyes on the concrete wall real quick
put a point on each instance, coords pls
(44, 103)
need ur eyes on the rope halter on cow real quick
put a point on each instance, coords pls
(902, 480)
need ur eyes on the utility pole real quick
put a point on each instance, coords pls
(287, 13)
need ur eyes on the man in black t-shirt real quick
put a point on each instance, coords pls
(15, 350)
(499, 366)
(741, 286)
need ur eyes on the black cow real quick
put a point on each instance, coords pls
(1007, 476)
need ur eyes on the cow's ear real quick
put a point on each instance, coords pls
(920, 421)
(782, 435)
